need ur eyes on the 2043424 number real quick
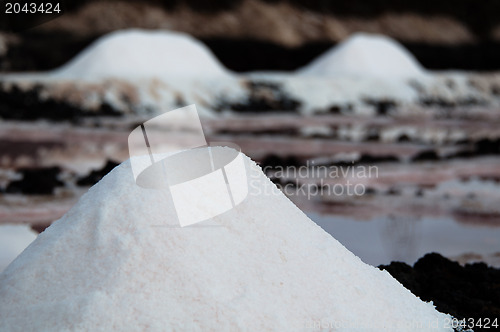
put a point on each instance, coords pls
(32, 8)
(472, 323)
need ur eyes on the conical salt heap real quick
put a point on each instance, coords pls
(366, 55)
(113, 263)
(136, 53)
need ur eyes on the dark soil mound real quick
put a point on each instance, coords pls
(471, 291)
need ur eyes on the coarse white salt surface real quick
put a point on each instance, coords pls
(13, 240)
(365, 55)
(136, 53)
(117, 261)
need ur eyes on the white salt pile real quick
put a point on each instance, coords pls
(132, 54)
(365, 55)
(112, 263)
(13, 240)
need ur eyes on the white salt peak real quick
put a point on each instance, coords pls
(365, 55)
(118, 261)
(130, 54)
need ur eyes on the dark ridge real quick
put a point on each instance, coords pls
(369, 159)
(428, 155)
(487, 146)
(18, 104)
(263, 97)
(470, 291)
(273, 161)
(96, 175)
(39, 181)
(482, 147)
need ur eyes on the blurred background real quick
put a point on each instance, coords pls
(411, 88)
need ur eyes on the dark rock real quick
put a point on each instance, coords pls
(369, 159)
(36, 181)
(273, 161)
(482, 147)
(470, 291)
(96, 175)
(428, 155)
(487, 146)
(370, 191)
(403, 138)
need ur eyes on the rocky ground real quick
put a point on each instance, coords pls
(469, 292)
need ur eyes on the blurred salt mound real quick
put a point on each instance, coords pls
(365, 55)
(13, 240)
(133, 54)
(117, 262)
